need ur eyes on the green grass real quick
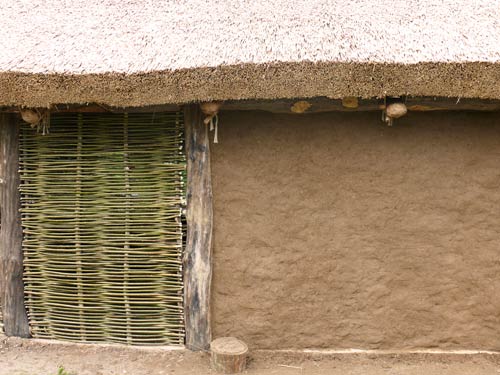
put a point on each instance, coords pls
(62, 371)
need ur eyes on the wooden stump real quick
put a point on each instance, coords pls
(229, 355)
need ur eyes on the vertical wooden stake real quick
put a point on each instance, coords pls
(199, 216)
(15, 320)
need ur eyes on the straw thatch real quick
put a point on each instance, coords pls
(131, 53)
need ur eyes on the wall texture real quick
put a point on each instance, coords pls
(335, 231)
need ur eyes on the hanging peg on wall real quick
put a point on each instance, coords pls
(211, 111)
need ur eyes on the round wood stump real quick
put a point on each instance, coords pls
(229, 355)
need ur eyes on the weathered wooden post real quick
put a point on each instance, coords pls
(15, 320)
(199, 215)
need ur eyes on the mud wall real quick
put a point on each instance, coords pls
(334, 231)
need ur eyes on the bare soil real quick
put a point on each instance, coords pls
(34, 357)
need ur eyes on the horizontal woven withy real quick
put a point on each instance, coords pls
(102, 199)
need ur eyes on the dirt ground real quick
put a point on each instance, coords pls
(34, 357)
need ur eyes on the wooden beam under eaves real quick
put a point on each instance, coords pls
(353, 104)
(298, 105)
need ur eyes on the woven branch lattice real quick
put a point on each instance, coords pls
(102, 197)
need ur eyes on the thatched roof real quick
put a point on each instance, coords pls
(131, 52)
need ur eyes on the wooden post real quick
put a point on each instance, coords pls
(15, 320)
(199, 215)
(228, 355)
